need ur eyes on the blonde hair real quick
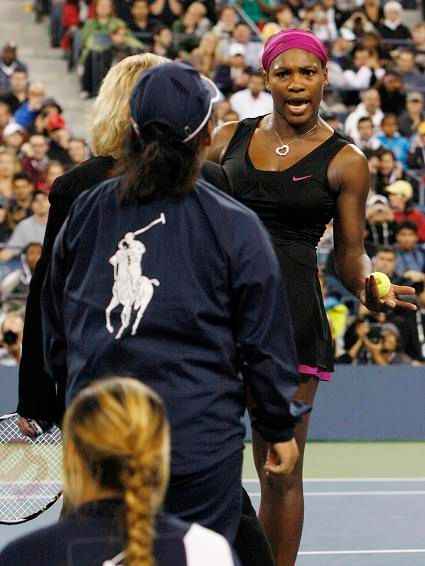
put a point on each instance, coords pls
(117, 430)
(110, 116)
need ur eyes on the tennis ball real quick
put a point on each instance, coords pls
(383, 283)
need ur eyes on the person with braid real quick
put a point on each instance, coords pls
(116, 466)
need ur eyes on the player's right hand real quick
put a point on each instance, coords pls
(281, 457)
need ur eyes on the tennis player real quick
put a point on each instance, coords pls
(116, 466)
(159, 275)
(297, 174)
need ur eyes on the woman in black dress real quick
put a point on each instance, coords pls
(297, 174)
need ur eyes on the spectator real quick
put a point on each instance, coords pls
(339, 53)
(17, 93)
(207, 56)
(410, 75)
(78, 151)
(385, 262)
(19, 206)
(361, 337)
(242, 38)
(9, 63)
(252, 101)
(191, 27)
(373, 11)
(419, 45)
(36, 163)
(74, 15)
(372, 41)
(29, 110)
(210, 6)
(410, 256)
(104, 21)
(142, 23)
(370, 106)
(391, 138)
(388, 349)
(163, 42)
(17, 282)
(59, 140)
(389, 170)
(11, 329)
(54, 170)
(30, 230)
(392, 28)
(8, 167)
(359, 24)
(13, 137)
(233, 75)
(414, 114)
(380, 224)
(5, 116)
(400, 195)
(226, 24)
(166, 11)
(221, 109)
(416, 157)
(365, 139)
(391, 90)
(366, 70)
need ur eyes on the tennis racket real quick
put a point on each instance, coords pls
(30, 471)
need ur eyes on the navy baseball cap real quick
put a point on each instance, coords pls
(174, 95)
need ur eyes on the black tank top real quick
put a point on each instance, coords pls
(295, 204)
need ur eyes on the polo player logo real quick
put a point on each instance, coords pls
(131, 289)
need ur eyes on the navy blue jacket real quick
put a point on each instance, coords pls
(207, 289)
(91, 537)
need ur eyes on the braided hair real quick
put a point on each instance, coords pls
(117, 430)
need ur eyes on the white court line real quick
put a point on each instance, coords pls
(392, 551)
(351, 493)
(349, 480)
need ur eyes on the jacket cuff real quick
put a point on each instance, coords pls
(274, 428)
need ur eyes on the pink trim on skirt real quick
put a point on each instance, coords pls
(316, 371)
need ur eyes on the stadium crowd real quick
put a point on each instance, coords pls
(375, 97)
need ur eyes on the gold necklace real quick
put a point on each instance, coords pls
(283, 149)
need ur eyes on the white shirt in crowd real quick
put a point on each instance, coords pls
(28, 231)
(247, 106)
(350, 126)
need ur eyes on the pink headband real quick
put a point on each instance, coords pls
(293, 39)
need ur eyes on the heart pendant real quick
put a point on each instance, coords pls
(282, 150)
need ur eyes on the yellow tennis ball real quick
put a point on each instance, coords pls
(383, 283)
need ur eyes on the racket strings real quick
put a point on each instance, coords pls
(30, 471)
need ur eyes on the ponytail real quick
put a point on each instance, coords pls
(157, 164)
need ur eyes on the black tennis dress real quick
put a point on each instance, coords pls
(295, 205)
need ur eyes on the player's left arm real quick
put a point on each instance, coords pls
(348, 175)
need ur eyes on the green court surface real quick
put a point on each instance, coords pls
(356, 459)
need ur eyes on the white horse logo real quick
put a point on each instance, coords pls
(131, 289)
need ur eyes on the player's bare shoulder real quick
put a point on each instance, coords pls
(221, 139)
(349, 169)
